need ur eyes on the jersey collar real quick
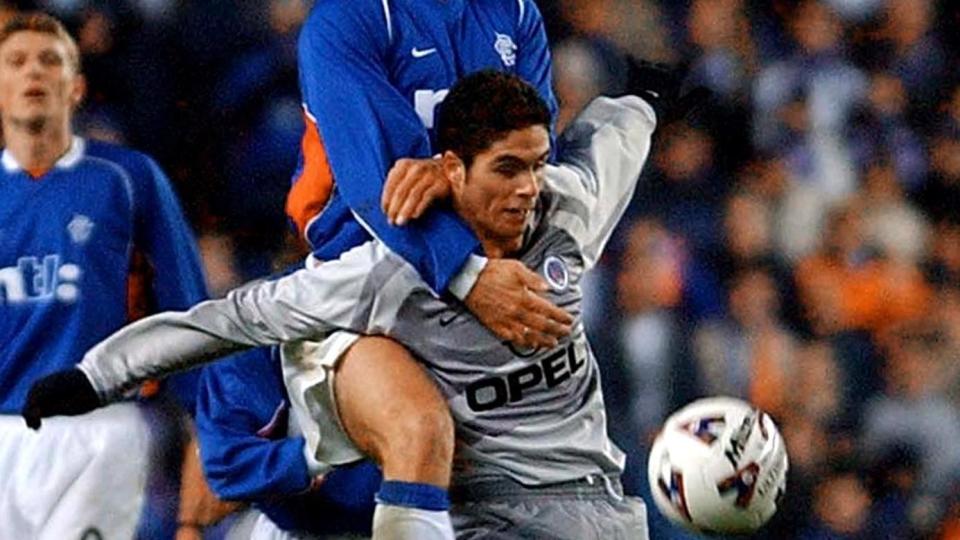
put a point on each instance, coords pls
(73, 155)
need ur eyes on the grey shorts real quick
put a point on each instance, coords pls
(592, 509)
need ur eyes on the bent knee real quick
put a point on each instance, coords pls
(423, 433)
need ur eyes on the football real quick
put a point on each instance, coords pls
(718, 466)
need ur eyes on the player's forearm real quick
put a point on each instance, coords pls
(165, 237)
(608, 144)
(306, 304)
(153, 348)
(600, 159)
(199, 506)
(247, 468)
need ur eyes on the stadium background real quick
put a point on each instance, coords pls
(798, 245)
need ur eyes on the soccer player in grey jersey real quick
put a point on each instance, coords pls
(533, 458)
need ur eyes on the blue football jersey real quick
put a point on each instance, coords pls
(66, 241)
(372, 73)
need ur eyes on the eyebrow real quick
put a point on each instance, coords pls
(510, 159)
(41, 52)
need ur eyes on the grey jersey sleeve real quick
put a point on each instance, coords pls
(356, 292)
(600, 158)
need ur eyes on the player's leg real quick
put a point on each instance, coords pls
(393, 412)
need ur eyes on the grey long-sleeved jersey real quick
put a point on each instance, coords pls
(536, 416)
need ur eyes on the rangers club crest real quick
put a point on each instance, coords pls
(506, 48)
(555, 270)
(80, 228)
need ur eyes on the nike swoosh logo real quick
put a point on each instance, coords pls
(417, 53)
(446, 321)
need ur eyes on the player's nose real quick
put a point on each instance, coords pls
(528, 185)
(34, 70)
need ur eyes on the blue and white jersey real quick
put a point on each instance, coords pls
(372, 73)
(66, 242)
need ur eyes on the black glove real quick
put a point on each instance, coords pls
(66, 392)
(662, 86)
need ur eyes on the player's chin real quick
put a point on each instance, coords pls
(512, 238)
(513, 220)
(510, 227)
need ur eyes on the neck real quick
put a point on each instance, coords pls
(493, 250)
(36, 144)
(498, 248)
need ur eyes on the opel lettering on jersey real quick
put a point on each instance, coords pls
(36, 279)
(555, 369)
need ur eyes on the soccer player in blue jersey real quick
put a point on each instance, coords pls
(372, 73)
(72, 214)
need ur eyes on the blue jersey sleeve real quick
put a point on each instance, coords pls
(163, 235)
(363, 126)
(534, 63)
(241, 428)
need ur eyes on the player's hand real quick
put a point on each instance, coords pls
(662, 86)
(412, 186)
(66, 392)
(507, 299)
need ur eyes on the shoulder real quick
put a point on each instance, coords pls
(506, 12)
(146, 181)
(343, 17)
(526, 12)
(134, 163)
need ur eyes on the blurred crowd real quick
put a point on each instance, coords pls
(796, 244)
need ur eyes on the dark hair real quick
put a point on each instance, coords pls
(484, 107)
(37, 21)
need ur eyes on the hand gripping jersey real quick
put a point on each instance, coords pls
(66, 241)
(536, 416)
(371, 74)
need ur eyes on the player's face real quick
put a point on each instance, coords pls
(37, 80)
(498, 193)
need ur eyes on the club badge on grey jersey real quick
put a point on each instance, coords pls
(555, 270)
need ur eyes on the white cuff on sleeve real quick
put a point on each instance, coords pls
(461, 284)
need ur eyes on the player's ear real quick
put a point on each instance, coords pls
(453, 169)
(79, 90)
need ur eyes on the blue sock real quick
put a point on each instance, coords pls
(413, 495)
